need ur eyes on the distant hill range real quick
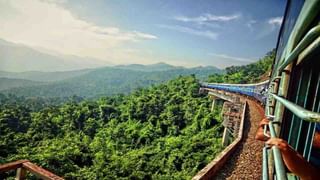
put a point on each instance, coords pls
(149, 68)
(96, 82)
(20, 58)
(7, 83)
(44, 76)
(30, 72)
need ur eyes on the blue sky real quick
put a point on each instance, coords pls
(180, 32)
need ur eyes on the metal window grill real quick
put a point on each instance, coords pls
(300, 110)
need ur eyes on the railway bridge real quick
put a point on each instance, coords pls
(242, 157)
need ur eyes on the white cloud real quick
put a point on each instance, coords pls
(145, 36)
(47, 24)
(232, 58)
(206, 33)
(205, 18)
(267, 27)
(275, 21)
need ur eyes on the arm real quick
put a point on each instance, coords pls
(316, 140)
(294, 161)
(260, 134)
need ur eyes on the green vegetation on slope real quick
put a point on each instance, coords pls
(163, 132)
(250, 73)
(107, 81)
(44, 76)
(6, 83)
(148, 68)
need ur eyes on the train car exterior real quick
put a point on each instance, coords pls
(294, 89)
(292, 100)
(257, 91)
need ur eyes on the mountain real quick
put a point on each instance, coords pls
(148, 68)
(6, 83)
(252, 73)
(108, 81)
(19, 58)
(62, 75)
(44, 76)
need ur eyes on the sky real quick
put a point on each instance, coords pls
(188, 33)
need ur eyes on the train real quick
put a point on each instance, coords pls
(292, 95)
(293, 101)
(257, 91)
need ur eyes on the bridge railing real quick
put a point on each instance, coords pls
(24, 166)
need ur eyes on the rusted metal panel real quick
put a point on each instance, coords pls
(40, 172)
(12, 165)
(24, 165)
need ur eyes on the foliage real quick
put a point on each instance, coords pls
(250, 73)
(101, 82)
(163, 132)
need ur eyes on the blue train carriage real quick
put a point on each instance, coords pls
(257, 91)
(261, 90)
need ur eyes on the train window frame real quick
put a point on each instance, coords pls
(306, 93)
(307, 96)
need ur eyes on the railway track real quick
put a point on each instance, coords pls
(247, 159)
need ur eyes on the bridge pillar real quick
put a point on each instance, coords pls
(213, 103)
(225, 137)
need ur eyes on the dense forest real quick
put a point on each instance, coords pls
(162, 132)
(95, 83)
(251, 73)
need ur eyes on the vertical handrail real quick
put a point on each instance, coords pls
(265, 170)
(280, 170)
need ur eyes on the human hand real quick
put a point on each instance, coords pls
(280, 143)
(263, 122)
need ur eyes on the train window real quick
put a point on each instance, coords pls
(315, 150)
(305, 91)
(290, 20)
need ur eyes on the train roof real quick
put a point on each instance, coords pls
(253, 84)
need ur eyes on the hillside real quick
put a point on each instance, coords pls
(164, 131)
(251, 73)
(161, 132)
(148, 68)
(6, 83)
(108, 81)
(44, 76)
